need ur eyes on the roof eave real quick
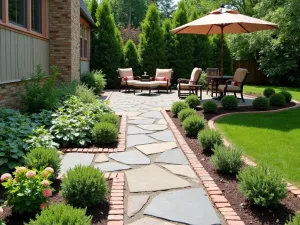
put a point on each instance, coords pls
(91, 22)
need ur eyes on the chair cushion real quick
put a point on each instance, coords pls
(161, 78)
(184, 87)
(195, 75)
(129, 82)
(127, 72)
(163, 83)
(146, 84)
(240, 75)
(129, 78)
(234, 83)
(164, 73)
(229, 88)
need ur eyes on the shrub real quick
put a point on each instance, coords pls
(277, 99)
(41, 158)
(192, 125)
(287, 95)
(178, 106)
(227, 160)
(209, 138)
(61, 214)
(268, 92)
(229, 102)
(85, 94)
(105, 133)
(261, 103)
(183, 114)
(192, 100)
(95, 80)
(84, 186)
(210, 106)
(34, 192)
(202, 81)
(262, 186)
(40, 138)
(110, 118)
(295, 220)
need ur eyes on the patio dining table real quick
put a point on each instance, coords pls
(218, 80)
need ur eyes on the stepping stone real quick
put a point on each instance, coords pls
(189, 206)
(137, 118)
(111, 166)
(133, 113)
(133, 157)
(174, 156)
(150, 221)
(156, 148)
(165, 135)
(140, 139)
(153, 178)
(71, 160)
(137, 122)
(152, 114)
(101, 158)
(153, 127)
(182, 170)
(162, 122)
(136, 130)
(136, 203)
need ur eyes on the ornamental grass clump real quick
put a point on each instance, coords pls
(183, 114)
(110, 118)
(63, 215)
(262, 186)
(84, 186)
(192, 125)
(261, 103)
(268, 92)
(295, 220)
(277, 99)
(287, 95)
(209, 138)
(227, 160)
(210, 106)
(193, 101)
(105, 133)
(178, 106)
(229, 102)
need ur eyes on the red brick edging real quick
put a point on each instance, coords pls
(211, 187)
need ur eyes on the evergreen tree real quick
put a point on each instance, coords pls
(131, 58)
(166, 8)
(182, 61)
(92, 7)
(152, 44)
(169, 41)
(108, 45)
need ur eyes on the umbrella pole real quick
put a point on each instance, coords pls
(222, 51)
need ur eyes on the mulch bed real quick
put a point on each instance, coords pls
(248, 213)
(99, 212)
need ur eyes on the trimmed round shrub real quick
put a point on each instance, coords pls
(277, 99)
(229, 102)
(288, 96)
(183, 114)
(178, 106)
(105, 133)
(295, 220)
(61, 214)
(110, 118)
(261, 103)
(84, 186)
(268, 92)
(210, 106)
(209, 138)
(262, 186)
(227, 160)
(40, 158)
(193, 101)
(192, 125)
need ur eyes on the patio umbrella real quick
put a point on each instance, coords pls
(224, 21)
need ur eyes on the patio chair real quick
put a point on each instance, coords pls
(236, 84)
(184, 84)
(126, 78)
(210, 85)
(164, 78)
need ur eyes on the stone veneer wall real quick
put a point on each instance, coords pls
(10, 94)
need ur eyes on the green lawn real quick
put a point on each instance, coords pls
(260, 89)
(271, 138)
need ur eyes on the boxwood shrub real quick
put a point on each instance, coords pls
(183, 114)
(193, 124)
(105, 133)
(210, 106)
(261, 103)
(192, 100)
(110, 118)
(178, 106)
(277, 99)
(209, 138)
(268, 92)
(229, 102)
(287, 95)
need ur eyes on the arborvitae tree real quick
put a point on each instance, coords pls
(152, 44)
(93, 6)
(108, 50)
(182, 62)
(131, 58)
(169, 40)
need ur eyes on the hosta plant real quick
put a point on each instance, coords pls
(42, 119)
(41, 138)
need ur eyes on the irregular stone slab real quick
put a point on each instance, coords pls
(156, 148)
(153, 178)
(136, 130)
(174, 156)
(137, 118)
(140, 139)
(137, 122)
(182, 170)
(189, 206)
(101, 158)
(162, 122)
(152, 114)
(70, 160)
(154, 127)
(133, 113)
(150, 221)
(133, 157)
(111, 166)
(165, 135)
(136, 203)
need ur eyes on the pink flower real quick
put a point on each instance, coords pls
(30, 174)
(21, 169)
(45, 174)
(50, 169)
(45, 183)
(43, 205)
(5, 177)
(47, 193)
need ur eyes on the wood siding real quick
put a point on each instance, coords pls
(84, 66)
(20, 54)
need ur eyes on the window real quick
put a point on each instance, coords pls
(84, 40)
(36, 15)
(17, 12)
